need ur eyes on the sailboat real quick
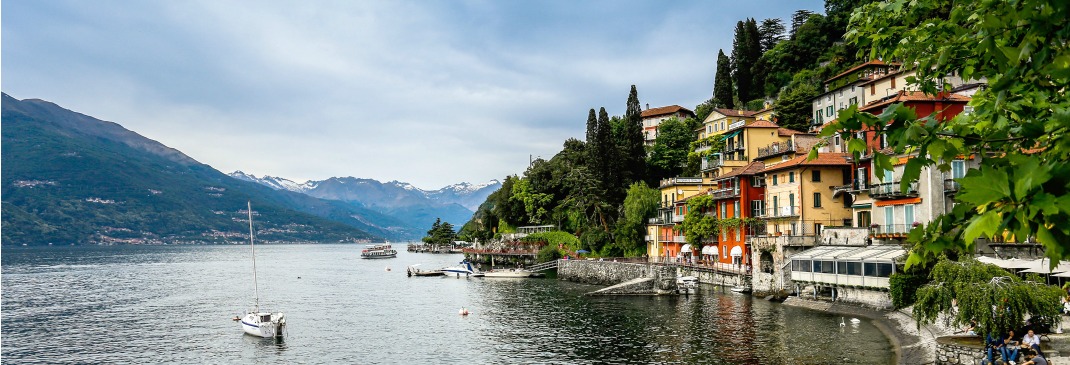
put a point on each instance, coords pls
(255, 322)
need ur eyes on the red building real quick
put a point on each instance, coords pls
(739, 194)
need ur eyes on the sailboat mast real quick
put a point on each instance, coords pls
(256, 291)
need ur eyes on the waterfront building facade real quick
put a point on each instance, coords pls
(665, 239)
(742, 138)
(738, 197)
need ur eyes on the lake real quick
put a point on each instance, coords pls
(174, 304)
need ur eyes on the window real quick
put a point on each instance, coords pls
(827, 267)
(817, 200)
(861, 178)
(888, 219)
(800, 265)
(738, 230)
(829, 111)
(725, 249)
(893, 82)
(791, 201)
(723, 209)
(791, 176)
(908, 215)
(756, 208)
(880, 270)
(873, 89)
(958, 169)
(774, 179)
(883, 140)
(816, 176)
(854, 100)
(776, 204)
(756, 182)
(735, 212)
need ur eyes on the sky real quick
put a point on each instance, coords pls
(427, 92)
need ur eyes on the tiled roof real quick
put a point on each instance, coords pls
(734, 113)
(787, 132)
(762, 124)
(903, 96)
(671, 109)
(752, 168)
(881, 77)
(823, 159)
(859, 67)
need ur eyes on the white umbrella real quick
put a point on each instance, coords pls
(1045, 268)
(1063, 274)
(1018, 264)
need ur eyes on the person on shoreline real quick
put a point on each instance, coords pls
(1010, 349)
(971, 328)
(1033, 358)
(994, 343)
(1031, 341)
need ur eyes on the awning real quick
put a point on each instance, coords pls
(862, 206)
(736, 251)
(1043, 266)
(875, 253)
(709, 250)
(686, 248)
(731, 134)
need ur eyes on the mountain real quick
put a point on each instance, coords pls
(69, 178)
(403, 201)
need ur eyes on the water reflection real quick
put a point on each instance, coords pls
(344, 310)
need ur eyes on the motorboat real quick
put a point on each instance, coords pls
(379, 251)
(741, 289)
(686, 284)
(511, 273)
(256, 322)
(413, 270)
(463, 268)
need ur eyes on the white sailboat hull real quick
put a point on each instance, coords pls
(507, 274)
(253, 324)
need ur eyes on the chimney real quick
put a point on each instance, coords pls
(647, 106)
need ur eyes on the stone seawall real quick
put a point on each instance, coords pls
(951, 350)
(613, 273)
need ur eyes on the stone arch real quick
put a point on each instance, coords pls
(765, 262)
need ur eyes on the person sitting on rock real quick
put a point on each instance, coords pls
(1010, 349)
(1033, 358)
(1031, 341)
(994, 343)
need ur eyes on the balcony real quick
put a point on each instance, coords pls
(776, 149)
(781, 212)
(890, 230)
(712, 163)
(674, 239)
(677, 218)
(649, 237)
(732, 147)
(725, 193)
(892, 191)
(951, 186)
(673, 181)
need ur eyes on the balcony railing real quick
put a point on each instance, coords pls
(725, 193)
(776, 149)
(890, 230)
(730, 148)
(658, 220)
(677, 218)
(951, 186)
(712, 163)
(892, 191)
(650, 237)
(781, 212)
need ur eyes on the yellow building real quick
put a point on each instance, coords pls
(743, 134)
(664, 238)
(799, 199)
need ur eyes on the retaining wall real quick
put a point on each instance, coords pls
(613, 273)
(948, 351)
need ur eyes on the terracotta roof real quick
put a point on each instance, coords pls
(787, 132)
(859, 67)
(684, 200)
(752, 168)
(903, 96)
(734, 113)
(762, 124)
(823, 159)
(671, 109)
(881, 77)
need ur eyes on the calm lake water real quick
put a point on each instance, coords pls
(173, 304)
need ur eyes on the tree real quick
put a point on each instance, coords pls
(704, 109)
(798, 18)
(640, 203)
(632, 152)
(794, 106)
(742, 62)
(996, 299)
(722, 83)
(770, 33)
(441, 233)
(669, 155)
(1017, 129)
(697, 225)
(536, 205)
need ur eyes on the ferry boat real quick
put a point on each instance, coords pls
(380, 251)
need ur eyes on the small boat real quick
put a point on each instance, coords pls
(464, 268)
(512, 273)
(414, 271)
(686, 284)
(380, 251)
(255, 322)
(741, 289)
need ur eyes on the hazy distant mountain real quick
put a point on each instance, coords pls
(419, 208)
(71, 178)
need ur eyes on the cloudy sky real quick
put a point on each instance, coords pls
(428, 92)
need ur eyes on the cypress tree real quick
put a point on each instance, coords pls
(607, 151)
(592, 125)
(722, 83)
(633, 154)
(753, 53)
(741, 68)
